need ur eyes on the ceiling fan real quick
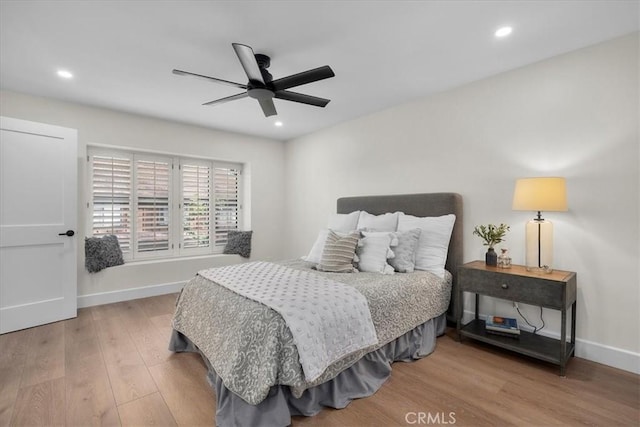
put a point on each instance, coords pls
(261, 85)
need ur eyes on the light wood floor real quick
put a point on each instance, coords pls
(111, 366)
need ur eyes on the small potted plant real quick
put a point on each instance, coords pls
(491, 236)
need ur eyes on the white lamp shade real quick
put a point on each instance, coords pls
(540, 194)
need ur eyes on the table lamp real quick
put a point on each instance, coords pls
(540, 194)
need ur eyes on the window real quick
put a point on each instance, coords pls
(163, 206)
(111, 197)
(227, 203)
(196, 205)
(153, 204)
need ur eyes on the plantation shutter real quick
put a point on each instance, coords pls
(152, 204)
(227, 206)
(196, 204)
(132, 197)
(111, 198)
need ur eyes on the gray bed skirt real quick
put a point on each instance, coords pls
(362, 379)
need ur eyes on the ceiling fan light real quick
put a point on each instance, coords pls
(260, 94)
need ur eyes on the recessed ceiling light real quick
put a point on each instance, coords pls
(278, 124)
(65, 74)
(503, 32)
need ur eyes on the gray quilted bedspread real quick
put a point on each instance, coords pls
(251, 348)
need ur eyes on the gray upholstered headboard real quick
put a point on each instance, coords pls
(428, 204)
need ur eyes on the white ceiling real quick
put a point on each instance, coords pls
(383, 53)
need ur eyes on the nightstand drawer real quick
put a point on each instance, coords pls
(538, 291)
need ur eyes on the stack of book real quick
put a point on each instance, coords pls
(506, 326)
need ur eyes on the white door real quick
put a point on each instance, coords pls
(38, 192)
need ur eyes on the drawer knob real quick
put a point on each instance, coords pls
(505, 286)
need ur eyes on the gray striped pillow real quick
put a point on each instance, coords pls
(339, 253)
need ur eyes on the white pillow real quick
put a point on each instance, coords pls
(315, 254)
(343, 223)
(385, 222)
(433, 244)
(340, 223)
(373, 251)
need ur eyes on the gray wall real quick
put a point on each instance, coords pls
(264, 180)
(575, 115)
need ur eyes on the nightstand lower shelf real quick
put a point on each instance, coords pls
(537, 346)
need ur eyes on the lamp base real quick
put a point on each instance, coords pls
(539, 246)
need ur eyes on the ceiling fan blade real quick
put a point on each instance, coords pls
(268, 108)
(248, 60)
(302, 98)
(303, 78)
(211, 79)
(227, 99)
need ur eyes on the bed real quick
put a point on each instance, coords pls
(250, 351)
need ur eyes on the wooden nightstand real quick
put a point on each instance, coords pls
(555, 290)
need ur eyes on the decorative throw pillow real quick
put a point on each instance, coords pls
(238, 242)
(339, 253)
(405, 252)
(344, 223)
(315, 254)
(102, 252)
(384, 222)
(374, 249)
(433, 244)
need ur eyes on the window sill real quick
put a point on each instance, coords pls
(179, 259)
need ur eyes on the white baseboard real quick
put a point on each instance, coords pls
(128, 294)
(593, 351)
(607, 355)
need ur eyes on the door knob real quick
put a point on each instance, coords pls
(67, 233)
